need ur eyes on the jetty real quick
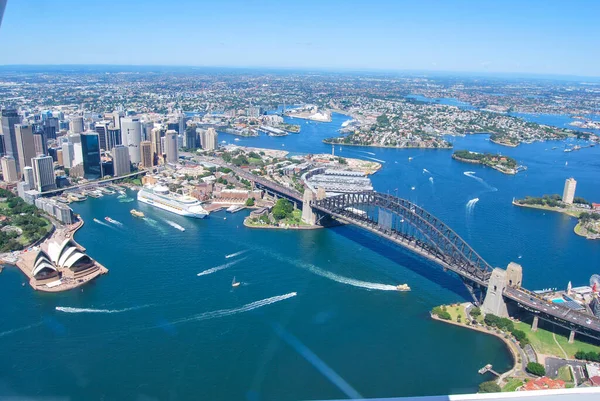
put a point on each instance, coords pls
(488, 368)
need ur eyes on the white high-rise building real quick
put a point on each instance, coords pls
(25, 145)
(121, 164)
(68, 154)
(569, 191)
(9, 169)
(43, 173)
(171, 146)
(76, 125)
(28, 177)
(131, 133)
(210, 139)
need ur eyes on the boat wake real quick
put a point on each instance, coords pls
(116, 223)
(471, 204)
(101, 223)
(349, 281)
(68, 309)
(150, 221)
(126, 200)
(472, 175)
(175, 225)
(368, 153)
(242, 309)
(220, 267)
(377, 160)
(31, 326)
(426, 171)
(233, 255)
(431, 180)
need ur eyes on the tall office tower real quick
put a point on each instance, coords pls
(9, 169)
(147, 127)
(131, 133)
(10, 118)
(113, 137)
(90, 146)
(101, 128)
(171, 148)
(117, 117)
(155, 140)
(68, 154)
(121, 163)
(76, 125)
(59, 157)
(28, 177)
(182, 120)
(147, 157)
(569, 191)
(43, 173)
(39, 143)
(25, 145)
(190, 139)
(50, 127)
(210, 139)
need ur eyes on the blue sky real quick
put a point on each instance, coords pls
(526, 36)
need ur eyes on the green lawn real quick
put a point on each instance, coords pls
(455, 310)
(543, 342)
(564, 373)
(512, 385)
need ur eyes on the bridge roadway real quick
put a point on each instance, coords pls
(563, 316)
(92, 183)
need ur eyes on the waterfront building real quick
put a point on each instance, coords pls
(9, 169)
(131, 132)
(59, 157)
(171, 148)
(39, 143)
(10, 118)
(76, 125)
(101, 128)
(25, 145)
(68, 155)
(569, 191)
(210, 139)
(146, 156)
(59, 211)
(90, 145)
(43, 173)
(107, 168)
(121, 162)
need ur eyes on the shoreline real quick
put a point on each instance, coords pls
(270, 227)
(460, 159)
(510, 145)
(387, 146)
(548, 208)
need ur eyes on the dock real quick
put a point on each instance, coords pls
(488, 368)
(235, 208)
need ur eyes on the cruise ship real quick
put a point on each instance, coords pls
(160, 197)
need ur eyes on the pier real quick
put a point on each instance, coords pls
(488, 368)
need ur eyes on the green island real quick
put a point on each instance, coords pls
(504, 164)
(293, 128)
(518, 336)
(282, 215)
(21, 224)
(588, 225)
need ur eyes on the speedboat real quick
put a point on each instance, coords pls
(235, 283)
(109, 219)
(403, 287)
(136, 213)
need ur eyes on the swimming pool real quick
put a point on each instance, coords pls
(558, 301)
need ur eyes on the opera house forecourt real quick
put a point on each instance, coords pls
(60, 263)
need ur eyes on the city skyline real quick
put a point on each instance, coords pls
(507, 38)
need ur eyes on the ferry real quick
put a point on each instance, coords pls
(76, 197)
(110, 220)
(160, 197)
(136, 213)
(403, 287)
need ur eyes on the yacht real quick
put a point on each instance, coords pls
(160, 197)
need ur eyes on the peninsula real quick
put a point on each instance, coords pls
(504, 164)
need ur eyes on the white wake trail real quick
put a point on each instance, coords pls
(350, 281)
(68, 309)
(471, 204)
(233, 255)
(369, 153)
(431, 180)
(220, 267)
(377, 160)
(426, 171)
(101, 223)
(31, 326)
(242, 309)
(472, 175)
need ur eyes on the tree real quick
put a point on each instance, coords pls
(536, 369)
(475, 312)
(489, 387)
(250, 202)
(282, 209)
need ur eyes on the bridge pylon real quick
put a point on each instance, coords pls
(308, 215)
(500, 279)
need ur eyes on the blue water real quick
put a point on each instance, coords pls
(174, 334)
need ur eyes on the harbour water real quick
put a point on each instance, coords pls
(315, 316)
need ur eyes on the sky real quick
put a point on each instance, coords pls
(507, 36)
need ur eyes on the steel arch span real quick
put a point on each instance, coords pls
(410, 226)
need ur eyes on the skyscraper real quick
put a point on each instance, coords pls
(25, 145)
(121, 163)
(117, 116)
(131, 132)
(90, 146)
(569, 191)
(43, 173)
(102, 129)
(68, 154)
(155, 140)
(9, 169)
(210, 139)
(147, 157)
(59, 157)
(10, 117)
(76, 125)
(113, 137)
(190, 140)
(39, 143)
(171, 148)
(28, 177)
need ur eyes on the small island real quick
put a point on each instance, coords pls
(504, 164)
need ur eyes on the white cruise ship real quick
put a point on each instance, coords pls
(160, 197)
